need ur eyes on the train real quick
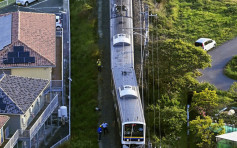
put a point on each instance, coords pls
(125, 89)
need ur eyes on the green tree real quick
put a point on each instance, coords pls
(175, 59)
(204, 102)
(233, 90)
(206, 131)
(171, 117)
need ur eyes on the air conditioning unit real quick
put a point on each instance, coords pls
(23, 121)
(38, 101)
(30, 110)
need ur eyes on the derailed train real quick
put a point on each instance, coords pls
(128, 106)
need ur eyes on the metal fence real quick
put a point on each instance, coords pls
(61, 141)
(13, 140)
(56, 85)
(6, 3)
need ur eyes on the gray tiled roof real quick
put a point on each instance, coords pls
(21, 90)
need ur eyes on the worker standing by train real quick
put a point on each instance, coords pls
(99, 131)
(99, 65)
(105, 127)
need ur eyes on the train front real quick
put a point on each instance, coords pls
(133, 134)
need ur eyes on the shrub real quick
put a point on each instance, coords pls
(231, 68)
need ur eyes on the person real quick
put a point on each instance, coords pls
(99, 65)
(105, 127)
(99, 131)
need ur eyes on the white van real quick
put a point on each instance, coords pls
(24, 2)
(205, 43)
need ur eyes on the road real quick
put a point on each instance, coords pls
(43, 6)
(221, 55)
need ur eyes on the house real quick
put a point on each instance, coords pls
(29, 104)
(28, 44)
(21, 98)
(3, 121)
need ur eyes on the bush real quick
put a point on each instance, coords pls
(231, 68)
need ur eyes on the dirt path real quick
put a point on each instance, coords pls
(112, 139)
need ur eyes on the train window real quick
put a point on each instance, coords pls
(133, 130)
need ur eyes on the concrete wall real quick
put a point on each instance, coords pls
(13, 123)
(42, 73)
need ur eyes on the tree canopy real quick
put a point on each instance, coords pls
(175, 59)
(204, 101)
(206, 131)
(172, 118)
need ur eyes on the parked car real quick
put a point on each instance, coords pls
(24, 2)
(205, 43)
(58, 22)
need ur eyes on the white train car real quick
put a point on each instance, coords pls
(127, 99)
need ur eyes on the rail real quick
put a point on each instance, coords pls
(6, 3)
(56, 85)
(13, 140)
(41, 120)
(61, 141)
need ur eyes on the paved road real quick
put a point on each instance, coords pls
(221, 55)
(43, 6)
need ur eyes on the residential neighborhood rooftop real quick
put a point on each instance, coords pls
(34, 36)
(18, 93)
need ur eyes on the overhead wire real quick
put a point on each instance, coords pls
(157, 61)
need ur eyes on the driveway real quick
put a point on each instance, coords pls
(221, 55)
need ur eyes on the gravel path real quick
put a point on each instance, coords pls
(221, 55)
(112, 139)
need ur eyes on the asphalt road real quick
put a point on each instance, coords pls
(43, 6)
(221, 55)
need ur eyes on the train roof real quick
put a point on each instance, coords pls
(129, 105)
(122, 62)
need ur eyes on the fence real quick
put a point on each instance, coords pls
(13, 140)
(61, 141)
(56, 85)
(6, 3)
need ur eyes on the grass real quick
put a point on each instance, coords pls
(84, 75)
(231, 68)
(190, 20)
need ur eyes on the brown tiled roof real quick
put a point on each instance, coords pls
(21, 90)
(36, 32)
(3, 120)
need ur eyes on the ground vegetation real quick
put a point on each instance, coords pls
(84, 74)
(173, 62)
(231, 68)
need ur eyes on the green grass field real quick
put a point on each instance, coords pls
(190, 20)
(84, 75)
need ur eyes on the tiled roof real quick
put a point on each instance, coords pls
(3, 120)
(21, 90)
(36, 32)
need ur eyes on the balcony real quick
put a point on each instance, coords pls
(40, 119)
(56, 85)
(13, 140)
